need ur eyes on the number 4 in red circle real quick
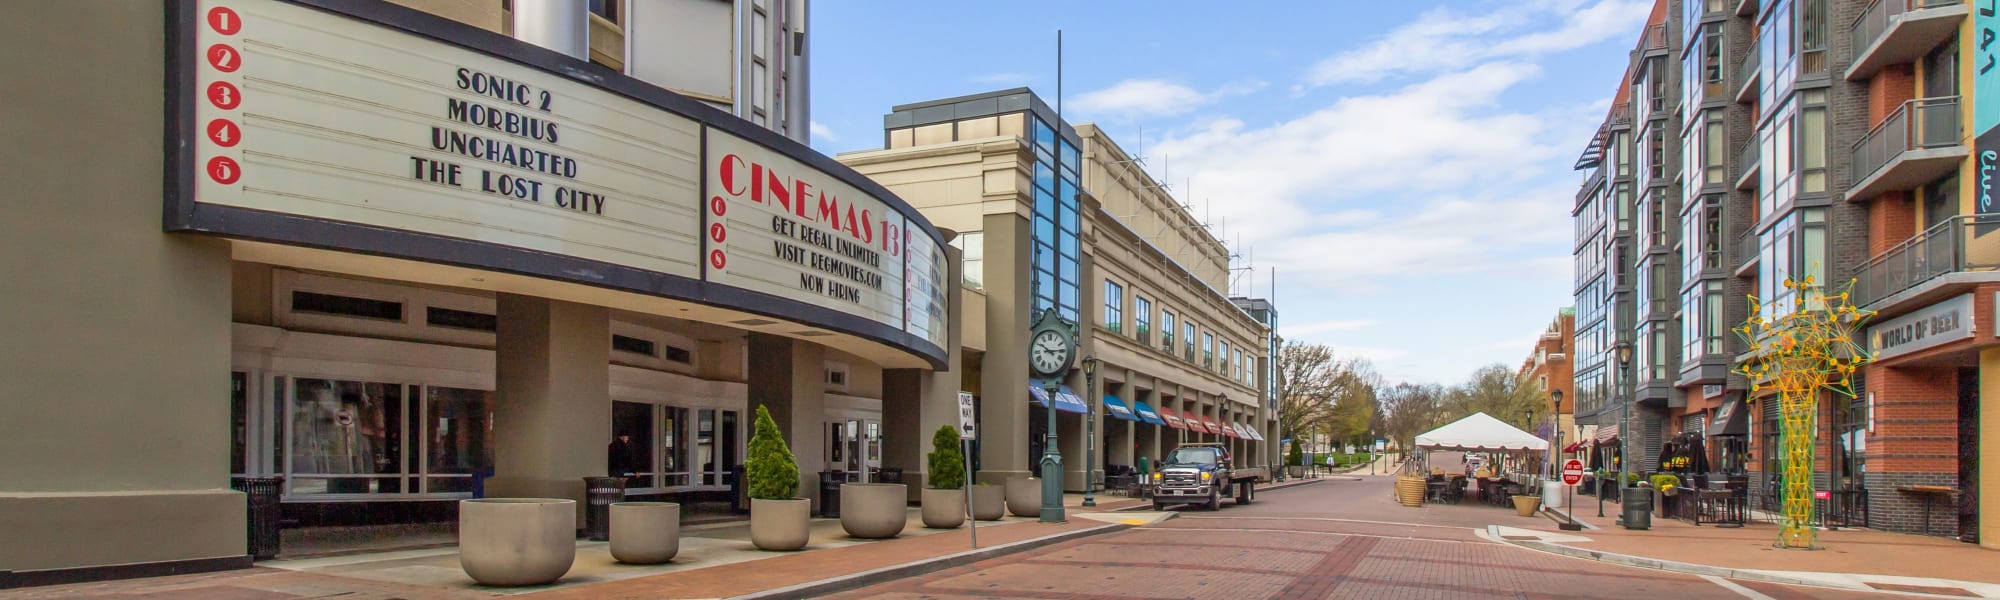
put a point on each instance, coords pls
(224, 21)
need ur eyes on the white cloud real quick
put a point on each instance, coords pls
(1154, 97)
(821, 131)
(1443, 39)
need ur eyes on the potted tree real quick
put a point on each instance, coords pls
(779, 520)
(1295, 461)
(944, 481)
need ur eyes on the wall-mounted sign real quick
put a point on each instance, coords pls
(1711, 390)
(383, 130)
(1927, 327)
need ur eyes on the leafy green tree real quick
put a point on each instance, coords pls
(772, 472)
(947, 465)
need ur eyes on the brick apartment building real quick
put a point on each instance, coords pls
(1757, 141)
(1549, 369)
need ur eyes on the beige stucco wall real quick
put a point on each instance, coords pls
(114, 336)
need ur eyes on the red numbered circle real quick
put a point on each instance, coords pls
(224, 21)
(224, 58)
(718, 233)
(224, 170)
(716, 259)
(224, 96)
(717, 206)
(224, 133)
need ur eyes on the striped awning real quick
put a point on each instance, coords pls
(1066, 399)
(1605, 433)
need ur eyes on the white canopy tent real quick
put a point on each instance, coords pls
(1480, 433)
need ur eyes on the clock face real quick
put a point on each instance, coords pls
(1048, 353)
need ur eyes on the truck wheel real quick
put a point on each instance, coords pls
(1243, 492)
(1214, 499)
(1159, 507)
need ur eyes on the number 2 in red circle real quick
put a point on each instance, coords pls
(224, 133)
(224, 58)
(224, 21)
(223, 95)
(224, 170)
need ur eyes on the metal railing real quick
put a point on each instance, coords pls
(1748, 69)
(1747, 248)
(1966, 243)
(1874, 20)
(1747, 157)
(1917, 124)
(1621, 112)
(1655, 38)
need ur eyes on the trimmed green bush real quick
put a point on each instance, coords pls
(772, 472)
(1664, 482)
(947, 464)
(1297, 457)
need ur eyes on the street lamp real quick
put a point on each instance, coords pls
(1090, 431)
(1624, 425)
(1556, 414)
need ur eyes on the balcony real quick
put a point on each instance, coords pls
(1893, 32)
(1959, 245)
(1746, 164)
(1654, 40)
(1747, 251)
(1746, 8)
(1918, 143)
(1746, 76)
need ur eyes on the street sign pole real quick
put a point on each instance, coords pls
(1572, 474)
(967, 431)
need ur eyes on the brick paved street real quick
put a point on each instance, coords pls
(1341, 538)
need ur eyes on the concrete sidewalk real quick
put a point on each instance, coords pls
(1856, 559)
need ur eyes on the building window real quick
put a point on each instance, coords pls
(633, 345)
(346, 306)
(973, 244)
(1187, 334)
(1224, 352)
(1143, 321)
(1208, 350)
(460, 319)
(1167, 331)
(1114, 306)
(344, 434)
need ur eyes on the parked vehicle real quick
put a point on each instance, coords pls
(1202, 474)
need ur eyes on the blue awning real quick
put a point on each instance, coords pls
(1118, 409)
(1066, 399)
(1147, 414)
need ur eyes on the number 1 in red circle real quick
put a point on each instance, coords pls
(224, 21)
(224, 170)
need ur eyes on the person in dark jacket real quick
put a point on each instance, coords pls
(623, 457)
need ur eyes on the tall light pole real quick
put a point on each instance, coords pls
(1556, 413)
(1090, 431)
(1624, 422)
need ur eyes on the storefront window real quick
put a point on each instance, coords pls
(729, 445)
(705, 444)
(458, 435)
(239, 423)
(631, 451)
(1850, 443)
(673, 446)
(342, 431)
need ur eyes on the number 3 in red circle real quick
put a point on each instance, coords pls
(224, 170)
(224, 21)
(223, 95)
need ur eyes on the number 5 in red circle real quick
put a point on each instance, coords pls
(223, 95)
(224, 21)
(224, 170)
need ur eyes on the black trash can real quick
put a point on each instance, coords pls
(739, 491)
(265, 513)
(600, 492)
(1638, 503)
(829, 493)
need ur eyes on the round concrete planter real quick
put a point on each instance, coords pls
(780, 524)
(516, 541)
(989, 502)
(1024, 496)
(944, 509)
(874, 510)
(645, 533)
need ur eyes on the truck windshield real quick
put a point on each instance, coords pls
(1192, 456)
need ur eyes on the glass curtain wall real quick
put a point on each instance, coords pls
(1057, 221)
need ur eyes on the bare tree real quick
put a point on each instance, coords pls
(1319, 392)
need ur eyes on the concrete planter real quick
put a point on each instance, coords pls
(944, 509)
(874, 510)
(645, 533)
(989, 502)
(1525, 505)
(1024, 496)
(780, 525)
(516, 541)
(1295, 471)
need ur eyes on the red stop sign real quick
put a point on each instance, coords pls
(1572, 472)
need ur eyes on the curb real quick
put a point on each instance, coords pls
(835, 585)
(1656, 564)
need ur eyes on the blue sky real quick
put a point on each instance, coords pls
(1404, 166)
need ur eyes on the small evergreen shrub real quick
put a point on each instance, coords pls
(772, 472)
(1297, 457)
(947, 464)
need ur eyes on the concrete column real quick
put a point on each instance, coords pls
(1126, 434)
(787, 378)
(1150, 435)
(1989, 449)
(559, 25)
(1070, 439)
(1003, 410)
(906, 439)
(552, 405)
(115, 340)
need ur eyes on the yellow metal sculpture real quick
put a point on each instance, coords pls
(1803, 347)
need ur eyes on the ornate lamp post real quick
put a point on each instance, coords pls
(1090, 431)
(1624, 423)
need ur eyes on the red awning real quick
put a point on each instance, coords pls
(1173, 419)
(1194, 423)
(1573, 447)
(1213, 426)
(1606, 432)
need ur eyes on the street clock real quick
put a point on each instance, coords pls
(1051, 346)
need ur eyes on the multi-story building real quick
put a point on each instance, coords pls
(1821, 140)
(1549, 369)
(399, 253)
(1055, 216)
